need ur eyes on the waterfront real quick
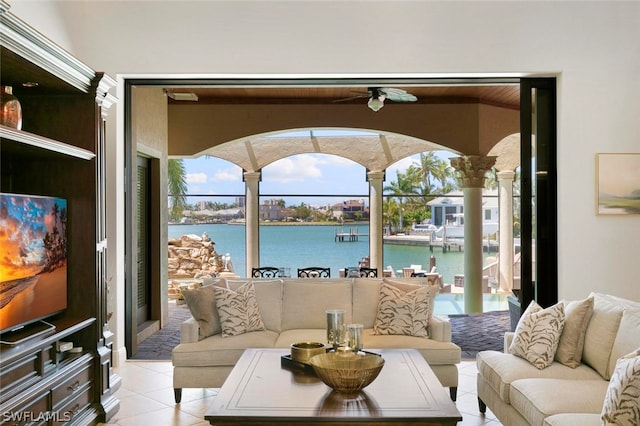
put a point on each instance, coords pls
(297, 246)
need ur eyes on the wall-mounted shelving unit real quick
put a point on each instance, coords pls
(59, 152)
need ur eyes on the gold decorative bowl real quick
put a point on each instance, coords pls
(347, 372)
(303, 351)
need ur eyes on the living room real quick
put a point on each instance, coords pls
(590, 47)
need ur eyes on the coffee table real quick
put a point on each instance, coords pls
(259, 391)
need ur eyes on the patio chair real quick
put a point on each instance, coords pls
(265, 272)
(352, 272)
(314, 272)
(368, 272)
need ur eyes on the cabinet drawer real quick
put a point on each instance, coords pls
(74, 406)
(33, 411)
(70, 385)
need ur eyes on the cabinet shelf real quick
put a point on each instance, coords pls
(42, 142)
(60, 153)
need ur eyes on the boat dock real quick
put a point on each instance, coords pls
(444, 245)
(340, 235)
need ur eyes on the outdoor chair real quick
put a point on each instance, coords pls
(314, 272)
(265, 272)
(352, 272)
(406, 272)
(368, 272)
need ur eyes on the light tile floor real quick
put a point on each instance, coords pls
(146, 397)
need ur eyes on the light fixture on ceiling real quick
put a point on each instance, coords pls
(177, 96)
(376, 101)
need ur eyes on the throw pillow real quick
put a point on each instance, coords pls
(537, 334)
(622, 401)
(238, 310)
(400, 312)
(576, 319)
(202, 305)
(627, 338)
(405, 286)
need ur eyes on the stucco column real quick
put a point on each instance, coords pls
(505, 190)
(471, 170)
(252, 220)
(375, 220)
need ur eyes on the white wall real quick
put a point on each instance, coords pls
(593, 47)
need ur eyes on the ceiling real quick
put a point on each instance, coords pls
(253, 153)
(501, 95)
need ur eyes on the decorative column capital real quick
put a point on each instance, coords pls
(251, 176)
(375, 176)
(472, 168)
(506, 175)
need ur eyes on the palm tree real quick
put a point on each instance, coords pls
(177, 181)
(428, 164)
(443, 173)
(403, 186)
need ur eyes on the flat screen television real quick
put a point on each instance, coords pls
(33, 259)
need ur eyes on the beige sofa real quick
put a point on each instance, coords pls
(520, 394)
(293, 310)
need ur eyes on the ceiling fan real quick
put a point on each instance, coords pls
(377, 96)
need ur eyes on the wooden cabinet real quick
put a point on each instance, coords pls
(60, 151)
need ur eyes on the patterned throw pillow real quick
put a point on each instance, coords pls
(622, 402)
(238, 310)
(400, 312)
(537, 334)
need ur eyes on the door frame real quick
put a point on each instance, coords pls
(545, 98)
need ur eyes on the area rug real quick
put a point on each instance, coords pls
(159, 345)
(479, 332)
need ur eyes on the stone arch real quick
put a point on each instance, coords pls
(375, 151)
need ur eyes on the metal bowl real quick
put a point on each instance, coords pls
(303, 351)
(347, 372)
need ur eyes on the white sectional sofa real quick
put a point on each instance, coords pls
(518, 393)
(293, 310)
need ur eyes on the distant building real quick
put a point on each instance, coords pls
(272, 210)
(449, 209)
(350, 209)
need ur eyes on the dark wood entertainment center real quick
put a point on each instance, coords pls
(60, 152)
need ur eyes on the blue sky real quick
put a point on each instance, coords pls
(299, 174)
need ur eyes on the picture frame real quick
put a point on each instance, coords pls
(618, 184)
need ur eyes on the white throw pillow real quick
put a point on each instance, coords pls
(202, 305)
(537, 334)
(622, 401)
(577, 316)
(238, 310)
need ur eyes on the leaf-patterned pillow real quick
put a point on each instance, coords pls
(238, 310)
(622, 402)
(403, 313)
(537, 334)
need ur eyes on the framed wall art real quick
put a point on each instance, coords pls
(618, 183)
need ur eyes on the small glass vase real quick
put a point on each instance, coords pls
(335, 327)
(11, 110)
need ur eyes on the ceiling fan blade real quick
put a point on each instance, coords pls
(352, 98)
(397, 95)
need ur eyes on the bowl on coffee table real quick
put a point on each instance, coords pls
(347, 372)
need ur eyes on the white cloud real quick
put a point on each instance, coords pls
(192, 178)
(295, 168)
(227, 175)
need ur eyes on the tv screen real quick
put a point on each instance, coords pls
(33, 258)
